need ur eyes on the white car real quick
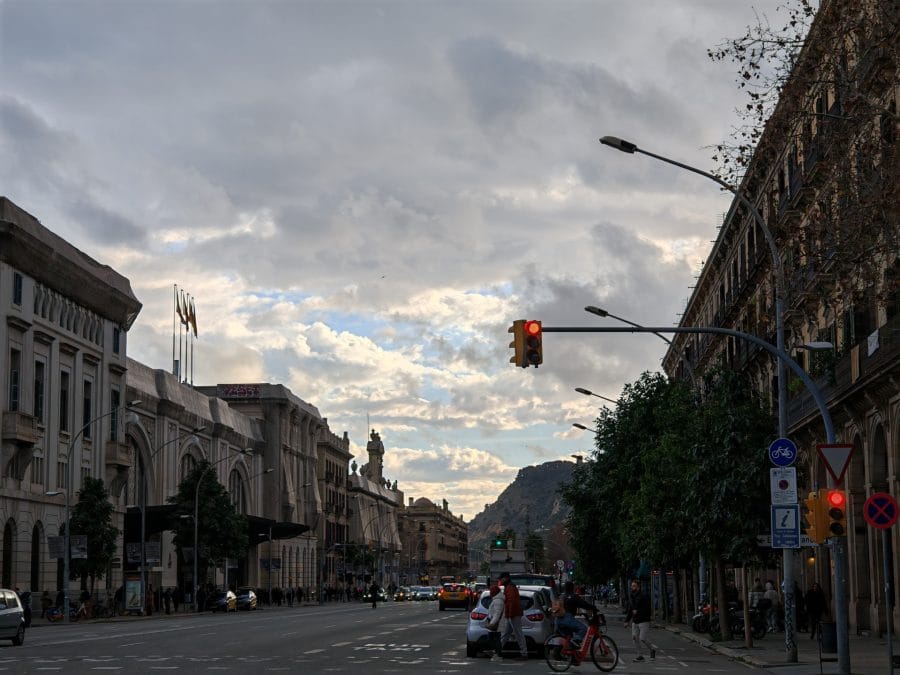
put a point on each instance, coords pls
(537, 624)
(12, 617)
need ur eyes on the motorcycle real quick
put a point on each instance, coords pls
(736, 623)
(700, 620)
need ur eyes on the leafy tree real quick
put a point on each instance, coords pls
(92, 517)
(222, 532)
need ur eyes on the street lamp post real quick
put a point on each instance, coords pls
(588, 392)
(197, 519)
(143, 506)
(780, 295)
(70, 484)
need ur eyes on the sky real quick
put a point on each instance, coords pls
(362, 196)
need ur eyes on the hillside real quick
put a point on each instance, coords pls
(530, 503)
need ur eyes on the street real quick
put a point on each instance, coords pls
(409, 637)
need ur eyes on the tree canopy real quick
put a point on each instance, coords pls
(92, 517)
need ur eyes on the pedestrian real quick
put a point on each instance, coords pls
(816, 604)
(496, 611)
(373, 591)
(774, 607)
(46, 602)
(167, 600)
(756, 593)
(638, 614)
(299, 595)
(176, 598)
(554, 591)
(26, 607)
(514, 613)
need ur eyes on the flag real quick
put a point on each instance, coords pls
(192, 316)
(178, 306)
(182, 311)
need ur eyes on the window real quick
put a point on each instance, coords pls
(236, 490)
(86, 409)
(38, 408)
(62, 474)
(114, 416)
(37, 467)
(64, 400)
(17, 289)
(117, 339)
(15, 367)
(187, 465)
(85, 474)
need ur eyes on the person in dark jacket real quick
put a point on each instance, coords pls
(815, 607)
(373, 591)
(569, 621)
(638, 614)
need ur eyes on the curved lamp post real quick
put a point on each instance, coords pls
(780, 295)
(588, 392)
(69, 485)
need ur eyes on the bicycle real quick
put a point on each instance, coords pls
(560, 653)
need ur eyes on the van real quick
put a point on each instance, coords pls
(12, 617)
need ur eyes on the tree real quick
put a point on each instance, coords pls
(92, 517)
(222, 532)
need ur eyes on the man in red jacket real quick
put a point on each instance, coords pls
(513, 615)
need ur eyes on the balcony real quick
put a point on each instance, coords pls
(118, 464)
(19, 428)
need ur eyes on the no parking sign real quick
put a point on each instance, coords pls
(880, 510)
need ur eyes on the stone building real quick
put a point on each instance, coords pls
(374, 504)
(824, 178)
(435, 542)
(333, 527)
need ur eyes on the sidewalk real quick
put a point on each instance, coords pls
(868, 654)
(38, 622)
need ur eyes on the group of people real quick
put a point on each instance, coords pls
(810, 606)
(504, 620)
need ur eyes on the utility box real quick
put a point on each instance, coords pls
(510, 560)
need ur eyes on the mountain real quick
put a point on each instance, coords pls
(531, 503)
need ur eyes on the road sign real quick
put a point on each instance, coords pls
(783, 483)
(560, 565)
(881, 511)
(837, 458)
(783, 452)
(766, 540)
(786, 526)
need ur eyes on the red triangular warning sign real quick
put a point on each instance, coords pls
(837, 458)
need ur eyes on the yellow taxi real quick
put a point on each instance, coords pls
(453, 595)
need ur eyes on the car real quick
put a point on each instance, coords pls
(421, 593)
(453, 595)
(537, 624)
(526, 579)
(12, 617)
(246, 598)
(402, 593)
(222, 601)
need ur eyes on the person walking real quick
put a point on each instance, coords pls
(774, 607)
(816, 604)
(514, 614)
(167, 600)
(373, 591)
(496, 612)
(638, 614)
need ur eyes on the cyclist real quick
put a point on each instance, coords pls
(568, 623)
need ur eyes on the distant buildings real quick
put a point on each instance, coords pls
(435, 542)
(73, 405)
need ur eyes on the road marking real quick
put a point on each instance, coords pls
(314, 651)
(336, 644)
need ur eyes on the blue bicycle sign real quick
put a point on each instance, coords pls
(783, 452)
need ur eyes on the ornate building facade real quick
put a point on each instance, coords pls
(435, 542)
(824, 178)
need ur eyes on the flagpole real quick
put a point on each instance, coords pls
(175, 298)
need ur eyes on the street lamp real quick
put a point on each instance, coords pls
(143, 506)
(588, 392)
(261, 534)
(70, 482)
(197, 519)
(578, 425)
(780, 295)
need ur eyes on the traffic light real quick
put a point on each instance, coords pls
(835, 509)
(518, 342)
(534, 349)
(812, 517)
(499, 543)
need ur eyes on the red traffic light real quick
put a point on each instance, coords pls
(532, 328)
(837, 499)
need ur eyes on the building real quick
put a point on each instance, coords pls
(73, 406)
(435, 542)
(374, 545)
(825, 179)
(333, 529)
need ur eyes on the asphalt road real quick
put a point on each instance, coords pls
(410, 637)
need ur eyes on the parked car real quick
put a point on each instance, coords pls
(222, 601)
(246, 598)
(453, 595)
(537, 624)
(12, 617)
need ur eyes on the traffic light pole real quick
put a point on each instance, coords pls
(839, 551)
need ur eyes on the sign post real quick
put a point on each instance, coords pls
(880, 511)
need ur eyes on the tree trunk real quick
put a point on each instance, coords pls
(720, 599)
(748, 634)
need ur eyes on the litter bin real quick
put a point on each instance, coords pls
(828, 636)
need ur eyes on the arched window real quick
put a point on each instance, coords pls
(187, 465)
(236, 491)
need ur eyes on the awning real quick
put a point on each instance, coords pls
(161, 518)
(258, 529)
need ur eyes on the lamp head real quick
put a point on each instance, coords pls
(582, 390)
(53, 493)
(596, 310)
(619, 144)
(577, 425)
(133, 404)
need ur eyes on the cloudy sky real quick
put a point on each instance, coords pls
(362, 196)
